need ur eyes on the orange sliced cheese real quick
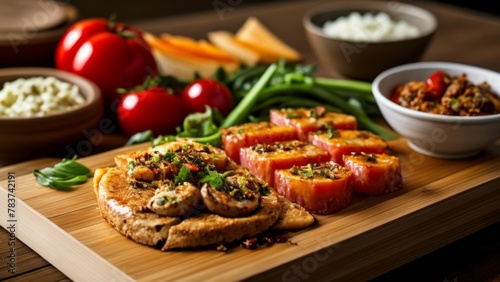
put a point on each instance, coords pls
(174, 58)
(200, 48)
(254, 35)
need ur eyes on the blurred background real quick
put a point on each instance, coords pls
(129, 10)
(21, 43)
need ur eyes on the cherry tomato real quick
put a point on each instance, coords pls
(436, 85)
(208, 92)
(110, 54)
(154, 108)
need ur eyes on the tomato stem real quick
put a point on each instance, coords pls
(112, 22)
(119, 28)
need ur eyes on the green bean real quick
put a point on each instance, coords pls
(240, 113)
(351, 86)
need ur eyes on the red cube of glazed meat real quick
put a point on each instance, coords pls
(320, 188)
(241, 136)
(374, 174)
(345, 142)
(263, 159)
(305, 120)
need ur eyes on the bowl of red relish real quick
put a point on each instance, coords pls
(443, 109)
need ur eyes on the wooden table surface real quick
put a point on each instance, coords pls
(464, 36)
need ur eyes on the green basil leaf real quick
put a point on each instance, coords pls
(63, 175)
(140, 137)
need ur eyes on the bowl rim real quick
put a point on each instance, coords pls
(41, 36)
(432, 65)
(365, 5)
(87, 88)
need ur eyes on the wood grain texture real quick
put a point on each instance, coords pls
(442, 200)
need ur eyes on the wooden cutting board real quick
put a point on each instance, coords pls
(442, 201)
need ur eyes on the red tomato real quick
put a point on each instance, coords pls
(155, 108)
(111, 55)
(208, 92)
(395, 95)
(436, 85)
(321, 188)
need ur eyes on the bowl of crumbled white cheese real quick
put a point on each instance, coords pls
(38, 96)
(360, 39)
(44, 110)
(370, 27)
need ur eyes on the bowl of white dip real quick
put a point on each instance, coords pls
(360, 39)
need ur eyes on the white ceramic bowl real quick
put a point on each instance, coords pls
(437, 135)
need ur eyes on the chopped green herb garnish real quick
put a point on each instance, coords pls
(307, 172)
(131, 165)
(170, 186)
(331, 132)
(455, 104)
(264, 190)
(169, 156)
(242, 181)
(161, 201)
(183, 175)
(156, 158)
(176, 160)
(214, 179)
(166, 199)
(313, 113)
